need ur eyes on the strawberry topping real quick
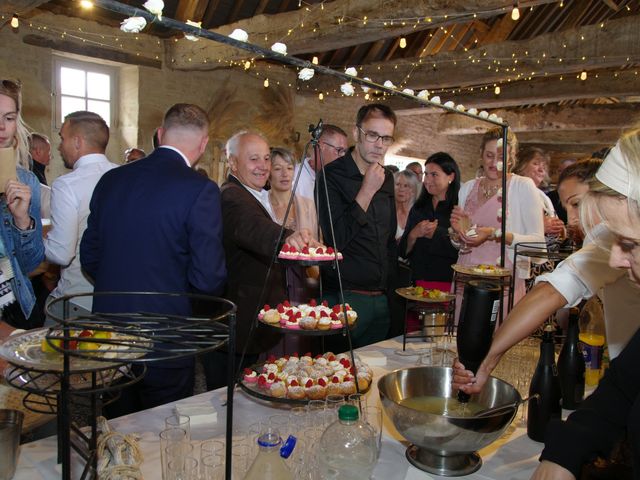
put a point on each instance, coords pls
(309, 383)
(322, 382)
(313, 302)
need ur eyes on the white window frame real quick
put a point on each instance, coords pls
(60, 62)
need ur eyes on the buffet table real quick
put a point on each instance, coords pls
(514, 456)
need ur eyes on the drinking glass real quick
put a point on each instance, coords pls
(280, 423)
(212, 467)
(170, 437)
(373, 416)
(179, 421)
(211, 448)
(316, 414)
(298, 418)
(240, 461)
(185, 468)
(358, 400)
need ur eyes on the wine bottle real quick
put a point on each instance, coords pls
(478, 315)
(546, 384)
(571, 365)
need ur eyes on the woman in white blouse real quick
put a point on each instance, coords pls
(480, 205)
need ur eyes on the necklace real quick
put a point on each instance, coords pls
(490, 191)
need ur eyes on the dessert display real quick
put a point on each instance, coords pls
(484, 268)
(82, 343)
(308, 254)
(294, 377)
(422, 294)
(307, 316)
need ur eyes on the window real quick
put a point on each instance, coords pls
(85, 86)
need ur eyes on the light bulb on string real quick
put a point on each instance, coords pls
(314, 60)
(320, 96)
(15, 23)
(403, 43)
(497, 90)
(583, 75)
(86, 4)
(266, 83)
(515, 13)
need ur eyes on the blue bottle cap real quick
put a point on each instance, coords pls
(289, 445)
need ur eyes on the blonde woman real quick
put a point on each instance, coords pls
(612, 412)
(21, 249)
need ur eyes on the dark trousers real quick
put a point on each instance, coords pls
(160, 385)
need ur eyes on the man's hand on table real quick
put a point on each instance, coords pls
(551, 471)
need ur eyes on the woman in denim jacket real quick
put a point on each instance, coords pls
(21, 229)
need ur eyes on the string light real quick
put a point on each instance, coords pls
(15, 23)
(86, 4)
(515, 13)
(321, 96)
(266, 83)
(314, 60)
(583, 75)
(403, 43)
(497, 90)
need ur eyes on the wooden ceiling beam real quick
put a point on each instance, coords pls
(21, 7)
(615, 44)
(619, 84)
(211, 10)
(191, 10)
(550, 118)
(583, 137)
(328, 33)
(261, 7)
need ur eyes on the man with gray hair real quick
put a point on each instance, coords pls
(156, 226)
(83, 141)
(250, 238)
(40, 151)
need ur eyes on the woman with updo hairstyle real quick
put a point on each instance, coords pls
(21, 247)
(426, 239)
(480, 205)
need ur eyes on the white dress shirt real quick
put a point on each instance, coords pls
(262, 196)
(587, 273)
(70, 197)
(307, 180)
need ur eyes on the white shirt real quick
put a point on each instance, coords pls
(307, 180)
(70, 197)
(186, 160)
(587, 273)
(262, 196)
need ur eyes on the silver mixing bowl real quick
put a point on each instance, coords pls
(444, 445)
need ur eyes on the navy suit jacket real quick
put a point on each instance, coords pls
(155, 225)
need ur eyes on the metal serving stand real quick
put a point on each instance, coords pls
(118, 358)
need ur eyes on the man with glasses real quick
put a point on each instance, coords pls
(332, 145)
(363, 219)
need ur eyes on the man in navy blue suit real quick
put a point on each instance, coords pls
(156, 226)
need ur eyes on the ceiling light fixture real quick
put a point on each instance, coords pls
(515, 13)
(497, 90)
(403, 42)
(86, 4)
(583, 75)
(15, 23)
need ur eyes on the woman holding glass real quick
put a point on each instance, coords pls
(21, 247)
(426, 239)
(476, 221)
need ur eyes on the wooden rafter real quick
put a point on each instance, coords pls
(191, 10)
(618, 84)
(330, 33)
(20, 7)
(262, 5)
(590, 47)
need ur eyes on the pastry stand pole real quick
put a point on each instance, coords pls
(336, 264)
(231, 354)
(503, 221)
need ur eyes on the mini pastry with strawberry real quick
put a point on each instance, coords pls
(250, 376)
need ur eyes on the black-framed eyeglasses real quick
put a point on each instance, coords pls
(339, 150)
(373, 137)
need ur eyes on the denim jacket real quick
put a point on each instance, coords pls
(24, 247)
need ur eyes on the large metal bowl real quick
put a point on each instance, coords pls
(444, 445)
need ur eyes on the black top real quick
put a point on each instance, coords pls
(603, 419)
(366, 239)
(555, 199)
(430, 258)
(38, 170)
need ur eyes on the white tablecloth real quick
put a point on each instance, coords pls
(513, 457)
